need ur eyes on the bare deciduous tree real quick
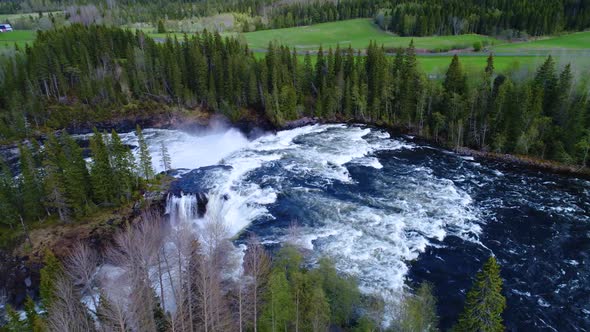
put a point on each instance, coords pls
(135, 251)
(67, 313)
(256, 268)
(80, 267)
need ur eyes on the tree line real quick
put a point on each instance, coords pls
(166, 278)
(55, 179)
(405, 17)
(439, 17)
(80, 74)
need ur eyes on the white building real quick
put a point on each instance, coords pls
(5, 27)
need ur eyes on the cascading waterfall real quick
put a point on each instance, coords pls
(374, 204)
(182, 209)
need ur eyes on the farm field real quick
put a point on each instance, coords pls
(356, 33)
(574, 42)
(13, 17)
(18, 37)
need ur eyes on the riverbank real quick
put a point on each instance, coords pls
(23, 260)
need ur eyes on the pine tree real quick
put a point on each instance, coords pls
(30, 185)
(51, 271)
(455, 79)
(145, 159)
(166, 160)
(161, 27)
(54, 180)
(485, 302)
(14, 323)
(34, 322)
(77, 178)
(8, 196)
(101, 173)
(123, 164)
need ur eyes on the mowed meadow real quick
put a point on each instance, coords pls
(356, 33)
(17, 37)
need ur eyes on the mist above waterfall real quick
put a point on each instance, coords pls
(190, 150)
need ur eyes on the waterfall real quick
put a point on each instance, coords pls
(186, 208)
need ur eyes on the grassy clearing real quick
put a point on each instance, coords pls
(579, 41)
(19, 37)
(13, 17)
(476, 64)
(356, 33)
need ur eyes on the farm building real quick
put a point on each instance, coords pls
(5, 27)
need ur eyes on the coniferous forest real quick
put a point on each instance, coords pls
(84, 74)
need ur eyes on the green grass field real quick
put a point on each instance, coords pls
(13, 17)
(359, 32)
(574, 48)
(356, 33)
(579, 41)
(19, 37)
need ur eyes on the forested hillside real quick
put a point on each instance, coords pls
(81, 74)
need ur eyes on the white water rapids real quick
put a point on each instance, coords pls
(300, 170)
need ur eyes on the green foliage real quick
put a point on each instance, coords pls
(485, 302)
(30, 185)
(342, 292)
(123, 164)
(419, 311)
(14, 323)
(165, 156)
(455, 79)
(34, 322)
(161, 27)
(51, 271)
(543, 116)
(279, 310)
(477, 46)
(307, 300)
(145, 159)
(8, 199)
(101, 172)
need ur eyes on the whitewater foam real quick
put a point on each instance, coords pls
(370, 236)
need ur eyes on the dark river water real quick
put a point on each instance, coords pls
(395, 212)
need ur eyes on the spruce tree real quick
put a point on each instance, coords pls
(145, 159)
(34, 322)
(485, 302)
(77, 178)
(31, 188)
(54, 180)
(455, 79)
(123, 164)
(8, 196)
(101, 173)
(14, 322)
(51, 271)
(165, 156)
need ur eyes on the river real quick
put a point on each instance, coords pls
(394, 211)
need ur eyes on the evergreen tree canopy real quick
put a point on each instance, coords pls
(485, 302)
